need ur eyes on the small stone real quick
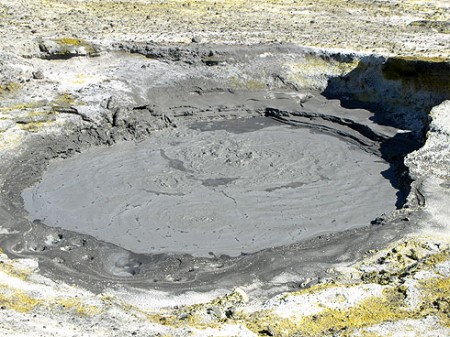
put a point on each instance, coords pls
(196, 39)
(58, 260)
(38, 75)
(378, 221)
(229, 313)
(267, 332)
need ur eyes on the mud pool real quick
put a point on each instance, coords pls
(215, 188)
(181, 175)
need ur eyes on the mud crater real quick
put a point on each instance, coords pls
(197, 186)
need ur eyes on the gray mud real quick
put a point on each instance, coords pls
(227, 188)
(196, 186)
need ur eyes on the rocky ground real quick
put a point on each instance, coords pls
(388, 27)
(88, 71)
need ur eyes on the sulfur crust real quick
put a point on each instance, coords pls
(9, 88)
(406, 256)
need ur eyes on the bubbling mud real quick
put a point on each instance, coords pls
(221, 187)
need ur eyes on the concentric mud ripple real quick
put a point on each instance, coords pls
(213, 188)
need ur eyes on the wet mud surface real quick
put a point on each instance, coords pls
(215, 188)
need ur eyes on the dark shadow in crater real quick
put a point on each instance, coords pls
(400, 92)
(394, 151)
